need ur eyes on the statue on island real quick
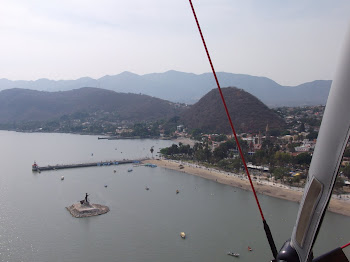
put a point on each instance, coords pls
(86, 209)
(85, 201)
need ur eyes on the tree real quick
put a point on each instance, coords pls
(296, 179)
(312, 135)
(172, 150)
(185, 149)
(201, 151)
(267, 144)
(347, 152)
(140, 129)
(339, 183)
(220, 138)
(346, 171)
(230, 164)
(303, 159)
(275, 132)
(282, 158)
(279, 172)
(291, 147)
(220, 152)
(196, 134)
(260, 157)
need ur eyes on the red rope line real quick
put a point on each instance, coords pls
(228, 114)
(348, 244)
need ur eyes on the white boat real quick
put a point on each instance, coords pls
(233, 254)
(35, 167)
(62, 177)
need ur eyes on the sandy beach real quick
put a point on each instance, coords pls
(340, 206)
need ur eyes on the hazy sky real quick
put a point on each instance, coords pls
(289, 41)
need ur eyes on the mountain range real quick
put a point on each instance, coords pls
(23, 105)
(29, 106)
(188, 87)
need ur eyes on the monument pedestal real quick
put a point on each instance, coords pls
(87, 209)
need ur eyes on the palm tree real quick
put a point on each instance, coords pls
(152, 150)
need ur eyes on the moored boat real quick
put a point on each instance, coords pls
(35, 167)
(233, 254)
(183, 235)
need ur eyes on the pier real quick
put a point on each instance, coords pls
(37, 168)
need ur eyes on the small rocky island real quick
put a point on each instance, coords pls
(86, 209)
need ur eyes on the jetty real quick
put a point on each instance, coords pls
(37, 168)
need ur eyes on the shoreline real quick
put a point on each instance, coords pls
(339, 206)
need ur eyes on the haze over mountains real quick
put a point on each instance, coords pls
(187, 87)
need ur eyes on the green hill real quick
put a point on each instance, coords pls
(248, 113)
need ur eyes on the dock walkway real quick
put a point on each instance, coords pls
(35, 167)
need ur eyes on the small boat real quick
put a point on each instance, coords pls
(62, 177)
(130, 170)
(147, 188)
(177, 191)
(233, 254)
(150, 165)
(35, 167)
(114, 171)
(250, 249)
(105, 185)
(183, 235)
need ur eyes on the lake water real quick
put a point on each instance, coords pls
(141, 225)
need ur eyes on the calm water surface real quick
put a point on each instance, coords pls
(142, 225)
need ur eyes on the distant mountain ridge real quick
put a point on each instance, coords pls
(95, 105)
(188, 87)
(24, 105)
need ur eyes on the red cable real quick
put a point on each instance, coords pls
(228, 115)
(348, 244)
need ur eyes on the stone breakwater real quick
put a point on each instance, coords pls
(87, 210)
